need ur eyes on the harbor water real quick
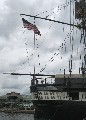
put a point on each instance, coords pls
(18, 116)
(21, 116)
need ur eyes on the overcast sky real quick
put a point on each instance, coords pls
(17, 51)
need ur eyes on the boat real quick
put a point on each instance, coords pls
(65, 98)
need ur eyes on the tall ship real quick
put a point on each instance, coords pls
(61, 96)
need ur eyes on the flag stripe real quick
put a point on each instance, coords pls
(30, 26)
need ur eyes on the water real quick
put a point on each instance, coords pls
(18, 116)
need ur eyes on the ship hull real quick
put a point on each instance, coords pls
(65, 99)
(61, 110)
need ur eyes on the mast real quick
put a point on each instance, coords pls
(80, 13)
(34, 50)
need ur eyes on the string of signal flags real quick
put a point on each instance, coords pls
(30, 26)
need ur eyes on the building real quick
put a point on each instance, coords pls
(14, 99)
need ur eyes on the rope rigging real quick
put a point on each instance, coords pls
(52, 59)
(56, 54)
(63, 45)
(49, 28)
(59, 8)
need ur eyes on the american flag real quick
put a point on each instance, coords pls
(30, 26)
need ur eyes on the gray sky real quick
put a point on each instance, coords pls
(17, 53)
